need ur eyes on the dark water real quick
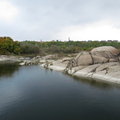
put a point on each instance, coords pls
(33, 93)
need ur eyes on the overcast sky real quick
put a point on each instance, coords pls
(60, 19)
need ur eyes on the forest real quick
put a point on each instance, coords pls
(9, 46)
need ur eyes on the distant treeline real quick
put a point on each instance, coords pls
(9, 46)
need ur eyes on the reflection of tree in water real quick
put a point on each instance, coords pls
(7, 69)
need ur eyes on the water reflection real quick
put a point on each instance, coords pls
(7, 69)
(34, 93)
(97, 84)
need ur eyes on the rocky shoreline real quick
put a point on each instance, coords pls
(107, 72)
(21, 60)
(102, 64)
(10, 58)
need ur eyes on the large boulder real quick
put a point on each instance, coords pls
(99, 59)
(105, 51)
(83, 58)
(97, 55)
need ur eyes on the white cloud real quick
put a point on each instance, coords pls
(59, 19)
(7, 11)
(102, 30)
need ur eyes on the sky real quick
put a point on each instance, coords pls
(60, 19)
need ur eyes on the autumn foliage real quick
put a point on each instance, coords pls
(8, 46)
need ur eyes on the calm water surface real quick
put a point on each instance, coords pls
(33, 93)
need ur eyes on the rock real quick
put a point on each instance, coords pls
(105, 51)
(11, 59)
(102, 64)
(113, 60)
(99, 59)
(22, 63)
(98, 55)
(33, 61)
(83, 58)
(49, 57)
(66, 59)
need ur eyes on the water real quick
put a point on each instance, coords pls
(33, 93)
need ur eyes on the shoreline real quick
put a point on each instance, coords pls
(98, 77)
(85, 73)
